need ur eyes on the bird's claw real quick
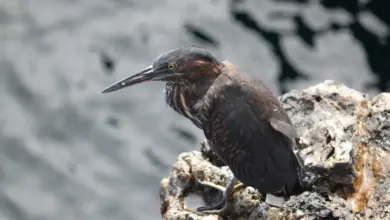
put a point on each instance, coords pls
(219, 208)
(222, 206)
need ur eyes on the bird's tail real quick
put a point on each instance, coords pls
(298, 187)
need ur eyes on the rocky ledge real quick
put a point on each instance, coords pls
(345, 143)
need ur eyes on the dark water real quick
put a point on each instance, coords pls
(68, 152)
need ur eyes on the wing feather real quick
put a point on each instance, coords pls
(249, 145)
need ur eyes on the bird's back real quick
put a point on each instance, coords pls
(250, 131)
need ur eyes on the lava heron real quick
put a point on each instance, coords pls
(242, 120)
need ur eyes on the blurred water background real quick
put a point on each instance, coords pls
(69, 153)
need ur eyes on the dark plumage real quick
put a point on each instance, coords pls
(242, 120)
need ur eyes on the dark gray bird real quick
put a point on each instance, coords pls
(243, 121)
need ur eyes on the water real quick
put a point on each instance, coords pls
(68, 152)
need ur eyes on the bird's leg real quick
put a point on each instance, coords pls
(223, 205)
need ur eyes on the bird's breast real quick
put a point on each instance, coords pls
(180, 101)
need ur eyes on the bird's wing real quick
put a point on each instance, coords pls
(248, 143)
(279, 119)
(283, 127)
(288, 130)
(258, 103)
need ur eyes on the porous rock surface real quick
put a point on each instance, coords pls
(344, 139)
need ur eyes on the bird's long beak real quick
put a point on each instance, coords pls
(145, 75)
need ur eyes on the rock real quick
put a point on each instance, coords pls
(344, 142)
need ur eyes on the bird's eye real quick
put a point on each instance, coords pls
(172, 66)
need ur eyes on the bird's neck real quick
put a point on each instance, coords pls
(184, 97)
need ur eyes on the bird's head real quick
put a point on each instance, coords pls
(186, 64)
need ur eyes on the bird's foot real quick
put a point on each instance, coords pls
(222, 206)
